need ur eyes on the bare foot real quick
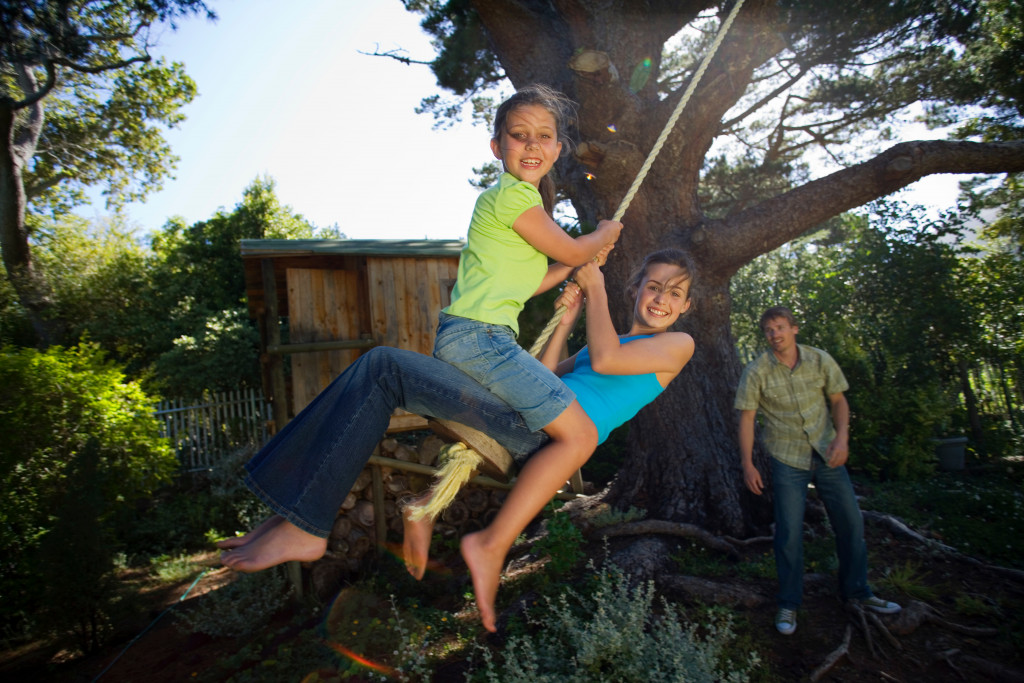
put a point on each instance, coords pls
(281, 543)
(485, 569)
(238, 541)
(416, 540)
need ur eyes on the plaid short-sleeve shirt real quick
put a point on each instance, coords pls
(793, 404)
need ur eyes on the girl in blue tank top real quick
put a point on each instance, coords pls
(613, 377)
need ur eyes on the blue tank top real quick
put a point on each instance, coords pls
(611, 400)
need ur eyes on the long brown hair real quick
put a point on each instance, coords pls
(559, 106)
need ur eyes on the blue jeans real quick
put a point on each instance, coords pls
(491, 355)
(307, 469)
(836, 492)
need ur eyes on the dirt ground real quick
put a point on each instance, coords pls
(967, 648)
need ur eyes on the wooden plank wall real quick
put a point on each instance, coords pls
(397, 302)
(323, 305)
(406, 294)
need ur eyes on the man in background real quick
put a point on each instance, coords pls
(799, 392)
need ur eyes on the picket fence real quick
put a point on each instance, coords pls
(202, 434)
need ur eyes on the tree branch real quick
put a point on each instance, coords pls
(393, 54)
(27, 81)
(83, 68)
(770, 224)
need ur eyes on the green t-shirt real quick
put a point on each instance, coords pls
(498, 269)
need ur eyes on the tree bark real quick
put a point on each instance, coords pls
(20, 140)
(971, 401)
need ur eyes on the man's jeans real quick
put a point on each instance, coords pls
(307, 469)
(836, 492)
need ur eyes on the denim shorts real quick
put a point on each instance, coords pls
(491, 355)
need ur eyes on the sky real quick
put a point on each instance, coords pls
(290, 95)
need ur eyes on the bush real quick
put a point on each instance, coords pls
(52, 404)
(614, 634)
(76, 559)
(562, 544)
(894, 417)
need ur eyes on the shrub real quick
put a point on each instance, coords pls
(614, 634)
(194, 511)
(562, 544)
(76, 559)
(52, 404)
(895, 416)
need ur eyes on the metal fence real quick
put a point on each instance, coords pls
(204, 433)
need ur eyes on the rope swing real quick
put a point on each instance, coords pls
(460, 461)
(549, 329)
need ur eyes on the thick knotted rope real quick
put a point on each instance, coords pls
(549, 329)
(458, 462)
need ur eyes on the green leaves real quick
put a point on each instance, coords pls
(75, 434)
(108, 131)
(886, 295)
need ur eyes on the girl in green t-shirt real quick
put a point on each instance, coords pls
(511, 237)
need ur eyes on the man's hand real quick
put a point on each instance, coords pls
(752, 478)
(838, 452)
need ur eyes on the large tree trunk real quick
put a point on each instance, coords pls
(19, 146)
(683, 462)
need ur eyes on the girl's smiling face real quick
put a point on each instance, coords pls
(663, 296)
(529, 144)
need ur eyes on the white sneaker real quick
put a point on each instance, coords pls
(879, 605)
(785, 621)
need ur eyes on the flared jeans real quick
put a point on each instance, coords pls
(307, 469)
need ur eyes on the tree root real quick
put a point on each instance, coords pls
(861, 617)
(864, 620)
(711, 592)
(657, 526)
(753, 540)
(834, 657)
(917, 613)
(884, 630)
(898, 528)
(996, 672)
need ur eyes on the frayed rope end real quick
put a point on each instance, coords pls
(458, 462)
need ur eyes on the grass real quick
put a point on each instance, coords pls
(175, 568)
(908, 579)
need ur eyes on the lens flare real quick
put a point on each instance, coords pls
(362, 661)
(612, 128)
(641, 74)
(589, 176)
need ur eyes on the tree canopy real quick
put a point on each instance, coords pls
(82, 103)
